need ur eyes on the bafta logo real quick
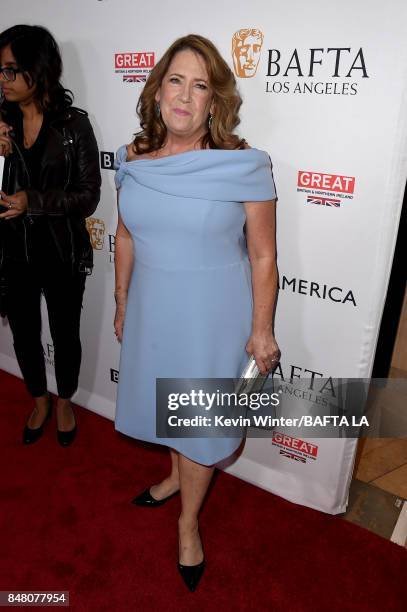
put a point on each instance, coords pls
(96, 229)
(246, 49)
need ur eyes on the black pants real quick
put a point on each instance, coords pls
(63, 292)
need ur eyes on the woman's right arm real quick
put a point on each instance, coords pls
(123, 265)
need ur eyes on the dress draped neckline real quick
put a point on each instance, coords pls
(211, 174)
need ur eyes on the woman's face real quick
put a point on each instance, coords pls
(18, 90)
(185, 96)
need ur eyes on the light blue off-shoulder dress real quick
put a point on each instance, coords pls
(189, 307)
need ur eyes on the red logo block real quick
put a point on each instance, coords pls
(330, 182)
(295, 444)
(141, 59)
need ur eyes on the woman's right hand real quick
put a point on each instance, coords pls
(119, 320)
(5, 141)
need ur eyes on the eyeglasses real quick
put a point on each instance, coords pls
(9, 74)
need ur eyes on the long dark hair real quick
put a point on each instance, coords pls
(37, 54)
(226, 97)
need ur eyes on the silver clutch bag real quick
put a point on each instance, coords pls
(250, 380)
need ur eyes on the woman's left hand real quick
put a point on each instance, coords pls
(16, 204)
(264, 348)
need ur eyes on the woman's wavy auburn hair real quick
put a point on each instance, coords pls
(227, 100)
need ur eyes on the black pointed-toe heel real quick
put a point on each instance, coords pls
(65, 438)
(32, 435)
(191, 574)
(147, 500)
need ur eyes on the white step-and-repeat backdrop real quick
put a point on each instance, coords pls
(324, 90)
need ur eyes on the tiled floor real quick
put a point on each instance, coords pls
(373, 509)
(382, 464)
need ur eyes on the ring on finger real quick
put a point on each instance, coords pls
(9, 204)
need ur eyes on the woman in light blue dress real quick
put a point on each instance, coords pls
(193, 298)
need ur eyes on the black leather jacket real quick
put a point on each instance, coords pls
(69, 188)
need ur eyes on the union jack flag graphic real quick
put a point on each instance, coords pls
(134, 78)
(323, 201)
(292, 456)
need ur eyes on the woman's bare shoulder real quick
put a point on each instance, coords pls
(132, 155)
(130, 152)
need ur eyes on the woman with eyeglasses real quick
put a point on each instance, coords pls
(51, 183)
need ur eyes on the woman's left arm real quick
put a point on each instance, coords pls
(261, 245)
(82, 195)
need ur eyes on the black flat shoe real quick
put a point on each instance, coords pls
(65, 438)
(192, 574)
(147, 500)
(32, 435)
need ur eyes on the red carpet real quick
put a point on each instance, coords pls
(67, 524)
